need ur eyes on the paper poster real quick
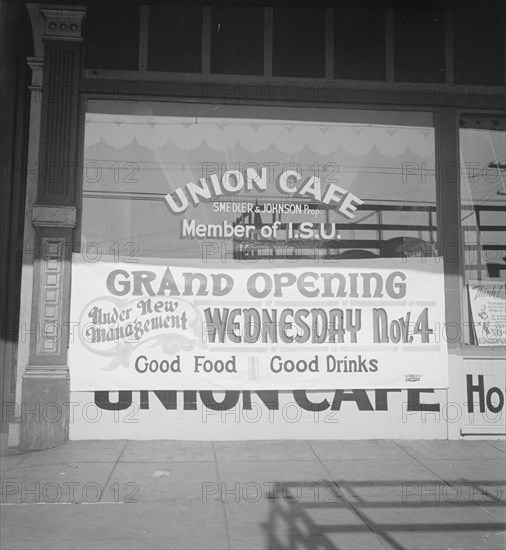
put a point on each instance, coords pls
(488, 308)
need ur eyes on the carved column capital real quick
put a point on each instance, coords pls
(63, 22)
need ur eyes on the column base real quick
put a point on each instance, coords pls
(44, 413)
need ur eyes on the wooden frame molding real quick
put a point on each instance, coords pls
(54, 216)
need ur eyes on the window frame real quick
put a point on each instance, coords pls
(445, 121)
(471, 119)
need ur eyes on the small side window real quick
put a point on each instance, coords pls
(483, 217)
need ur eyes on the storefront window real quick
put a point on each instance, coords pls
(176, 180)
(483, 199)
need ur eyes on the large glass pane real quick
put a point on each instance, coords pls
(419, 45)
(359, 43)
(298, 42)
(483, 198)
(175, 38)
(478, 43)
(237, 40)
(171, 181)
(112, 36)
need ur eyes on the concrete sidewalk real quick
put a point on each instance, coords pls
(262, 494)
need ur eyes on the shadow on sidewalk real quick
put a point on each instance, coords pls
(303, 516)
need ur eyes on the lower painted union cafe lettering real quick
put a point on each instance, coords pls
(364, 400)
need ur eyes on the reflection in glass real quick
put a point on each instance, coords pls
(483, 198)
(133, 161)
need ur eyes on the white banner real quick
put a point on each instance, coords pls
(260, 326)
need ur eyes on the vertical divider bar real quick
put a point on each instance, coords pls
(448, 214)
(449, 59)
(207, 17)
(143, 38)
(479, 248)
(389, 14)
(268, 25)
(329, 43)
(504, 39)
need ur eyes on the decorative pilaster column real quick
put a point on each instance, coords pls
(45, 387)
